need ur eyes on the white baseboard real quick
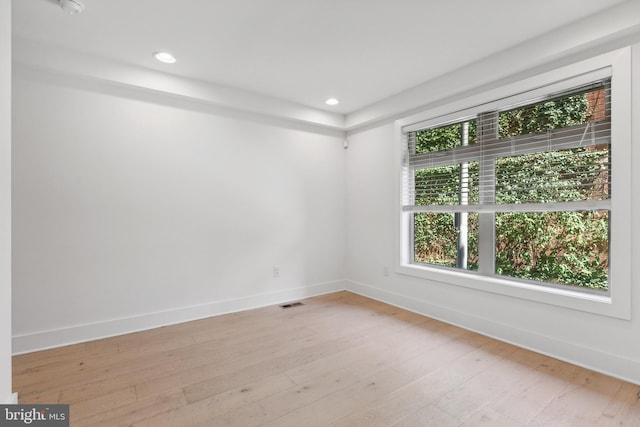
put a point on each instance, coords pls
(43, 340)
(11, 400)
(589, 358)
(597, 360)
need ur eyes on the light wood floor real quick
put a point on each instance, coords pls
(339, 360)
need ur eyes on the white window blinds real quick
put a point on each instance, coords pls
(541, 154)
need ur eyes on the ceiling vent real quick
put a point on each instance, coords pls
(73, 7)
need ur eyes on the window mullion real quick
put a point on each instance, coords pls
(487, 135)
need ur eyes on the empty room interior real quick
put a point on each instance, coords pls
(321, 213)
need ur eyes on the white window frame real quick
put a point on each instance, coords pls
(617, 302)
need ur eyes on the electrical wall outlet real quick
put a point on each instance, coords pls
(276, 272)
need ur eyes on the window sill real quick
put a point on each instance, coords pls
(583, 301)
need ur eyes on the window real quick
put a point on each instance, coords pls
(518, 192)
(537, 173)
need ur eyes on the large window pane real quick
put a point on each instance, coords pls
(564, 111)
(447, 185)
(447, 239)
(569, 248)
(437, 239)
(578, 174)
(445, 137)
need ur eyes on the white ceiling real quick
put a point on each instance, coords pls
(303, 51)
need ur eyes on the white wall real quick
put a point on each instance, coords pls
(603, 343)
(5, 202)
(130, 214)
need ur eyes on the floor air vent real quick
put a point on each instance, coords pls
(291, 305)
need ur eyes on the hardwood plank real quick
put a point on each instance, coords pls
(105, 403)
(430, 415)
(490, 418)
(203, 410)
(335, 405)
(137, 411)
(582, 402)
(434, 374)
(275, 406)
(485, 385)
(623, 408)
(530, 394)
(243, 374)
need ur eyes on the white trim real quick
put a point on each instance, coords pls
(12, 399)
(586, 357)
(43, 340)
(35, 57)
(618, 303)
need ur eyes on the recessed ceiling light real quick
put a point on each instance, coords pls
(332, 101)
(165, 57)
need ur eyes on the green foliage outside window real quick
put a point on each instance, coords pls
(570, 248)
(443, 138)
(435, 234)
(554, 114)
